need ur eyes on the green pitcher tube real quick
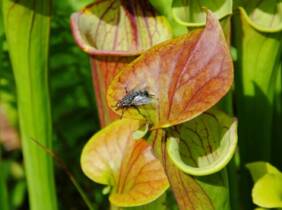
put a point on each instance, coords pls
(27, 27)
(257, 36)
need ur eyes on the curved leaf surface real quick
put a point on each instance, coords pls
(267, 191)
(259, 169)
(199, 193)
(257, 71)
(114, 32)
(118, 27)
(114, 158)
(203, 145)
(27, 29)
(184, 77)
(190, 12)
(165, 8)
(263, 15)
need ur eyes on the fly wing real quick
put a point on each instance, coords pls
(141, 100)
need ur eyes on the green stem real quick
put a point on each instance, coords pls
(27, 30)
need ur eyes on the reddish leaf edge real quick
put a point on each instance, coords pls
(84, 46)
(110, 187)
(182, 184)
(141, 57)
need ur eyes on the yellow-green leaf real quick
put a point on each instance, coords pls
(259, 169)
(265, 15)
(190, 12)
(113, 157)
(203, 145)
(199, 193)
(267, 191)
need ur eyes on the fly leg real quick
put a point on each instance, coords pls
(122, 112)
(138, 110)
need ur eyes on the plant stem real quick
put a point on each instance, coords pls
(27, 30)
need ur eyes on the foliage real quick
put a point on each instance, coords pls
(113, 157)
(109, 50)
(191, 13)
(171, 104)
(134, 60)
(268, 184)
(29, 56)
(258, 40)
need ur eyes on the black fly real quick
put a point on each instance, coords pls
(134, 99)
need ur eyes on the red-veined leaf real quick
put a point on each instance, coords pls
(184, 76)
(199, 193)
(188, 193)
(204, 145)
(114, 158)
(118, 27)
(113, 33)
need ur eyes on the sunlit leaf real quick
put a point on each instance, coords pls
(260, 168)
(111, 27)
(184, 77)
(27, 27)
(267, 191)
(186, 15)
(258, 42)
(258, 67)
(190, 12)
(200, 193)
(203, 145)
(114, 158)
(165, 8)
(141, 132)
(113, 33)
(264, 15)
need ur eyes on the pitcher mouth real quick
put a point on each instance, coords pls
(91, 50)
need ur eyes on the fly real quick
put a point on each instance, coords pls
(133, 99)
